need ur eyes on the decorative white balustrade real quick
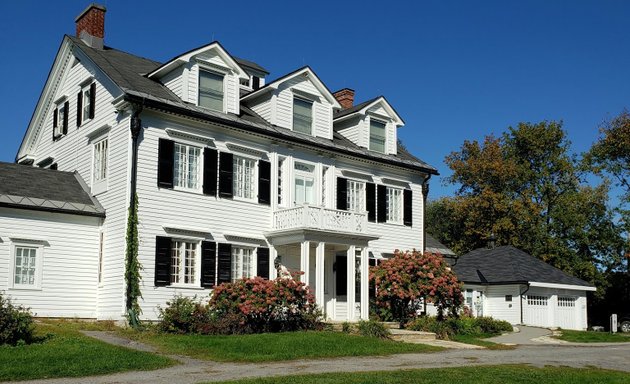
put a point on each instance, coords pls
(308, 216)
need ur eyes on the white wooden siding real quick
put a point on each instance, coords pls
(262, 106)
(174, 80)
(498, 308)
(70, 261)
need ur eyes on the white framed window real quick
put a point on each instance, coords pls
(211, 90)
(324, 184)
(537, 300)
(100, 161)
(27, 266)
(62, 120)
(377, 135)
(280, 181)
(394, 206)
(304, 183)
(356, 196)
(302, 115)
(87, 104)
(566, 301)
(184, 262)
(187, 167)
(242, 263)
(244, 179)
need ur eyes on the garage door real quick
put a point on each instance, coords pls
(566, 313)
(536, 312)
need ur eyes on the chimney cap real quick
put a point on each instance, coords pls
(86, 10)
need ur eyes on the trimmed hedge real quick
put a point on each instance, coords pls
(445, 329)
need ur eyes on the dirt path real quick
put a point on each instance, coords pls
(616, 357)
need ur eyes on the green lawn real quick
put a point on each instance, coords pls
(593, 337)
(479, 340)
(68, 353)
(275, 346)
(517, 374)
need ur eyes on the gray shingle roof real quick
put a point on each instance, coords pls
(507, 264)
(23, 186)
(353, 109)
(127, 71)
(250, 64)
(432, 245)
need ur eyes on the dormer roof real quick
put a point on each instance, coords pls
(304, 71)
(363, 107)
(187, 56)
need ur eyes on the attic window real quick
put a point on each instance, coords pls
(211, 90)
(377, 136)
(302, 115)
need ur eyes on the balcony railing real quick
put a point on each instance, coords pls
(307, 216)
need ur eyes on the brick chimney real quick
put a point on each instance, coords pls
(91, 25)
(345, 97)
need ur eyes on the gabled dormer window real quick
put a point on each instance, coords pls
(302, 115)
(377, 136)
(211, 90)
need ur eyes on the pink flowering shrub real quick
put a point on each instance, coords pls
(261, 305)
(408, 277)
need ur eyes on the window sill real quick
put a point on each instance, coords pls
(244, 200)
(24, 288)
(187, 287)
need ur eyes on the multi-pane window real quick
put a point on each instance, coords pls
(356, 196)
(566, 301)
(280, 184)
(537, 300)
(62, 119)
(100, 160)
(242, 263)
(25, 266)
(87, 100)
(324, 185)
(244, 178)
(304, 184)
(302, 115)
(187, 166)
(211, 90)
(377, 136)
(183, 262)
(393, 207)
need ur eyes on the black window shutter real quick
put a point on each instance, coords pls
(226, 173)
(55, 117)
(92, 100)
(342, 193)
(225, 263)
(210, 171)
(407, 207)
(341, 275)
(264, 182)
(66, 112)
(255, 82)
(166, 153)
(262, 262)
(381, 203)
(162, 261)
(370, 201)
(79, 107)
(208, 263)
(53, 166)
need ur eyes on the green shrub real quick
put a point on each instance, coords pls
(372, 328)
(492, 326)
(346, 327)
(16, 323)
(183, 315)
(445, 329)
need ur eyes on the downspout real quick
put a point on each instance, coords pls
(135, 127)
(521, 296)
(425, 194)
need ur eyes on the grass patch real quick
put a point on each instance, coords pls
(593, 337)
(68, 353)
(478, 339)
(275, 346)
(519, 374)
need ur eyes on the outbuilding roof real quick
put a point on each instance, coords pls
(28, 187)
(506, 264)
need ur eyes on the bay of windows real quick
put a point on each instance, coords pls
(187, 166)
(242, 263)
(377, 136)
(183, 262)
(394, 205)
(302, 115)
(244, 178)
(211, 90)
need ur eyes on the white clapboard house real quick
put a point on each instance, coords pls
(231, 171)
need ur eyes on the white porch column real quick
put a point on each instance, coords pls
(365, 301)
(304, 261)
(319, 275)
(351, 256)
(273, 253)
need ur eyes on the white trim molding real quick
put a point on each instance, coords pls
(562, 286)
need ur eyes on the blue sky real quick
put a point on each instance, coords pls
(454, 70)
